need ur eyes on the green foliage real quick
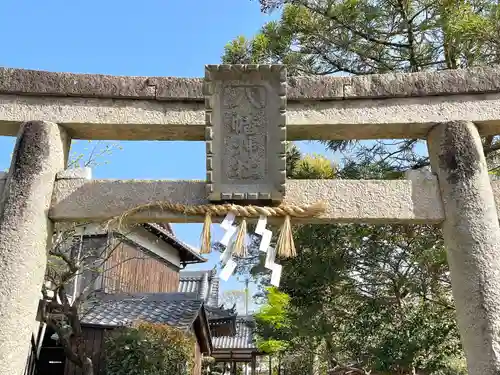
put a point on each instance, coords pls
(454, 365)
(375, 296)
(357, 37)
(271, 345)
(272, 322)
(149, 349)
(365, 36)
(293, 156)
(274, 313)
(314, 167)
(364, 296)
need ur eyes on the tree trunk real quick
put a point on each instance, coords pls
(330, 354)
(316, 365)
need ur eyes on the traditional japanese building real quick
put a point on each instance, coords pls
(180, 310)
(232, 335)
(143, 279)
(139, 280)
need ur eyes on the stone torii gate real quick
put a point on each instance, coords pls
(241, 115)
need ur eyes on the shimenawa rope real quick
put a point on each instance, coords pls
(285, 245)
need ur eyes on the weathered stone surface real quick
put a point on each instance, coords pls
(472, 237)
(35, 82)
(245, 132)
(72, 173)
(114, 119)
(317, 88)
(365, 201)
(464, 81)
(449, 82)
(87, 118)
(3, 179)
(25, 233)
(173, 88)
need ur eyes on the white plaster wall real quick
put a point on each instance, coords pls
(155, 245)
(145, 239)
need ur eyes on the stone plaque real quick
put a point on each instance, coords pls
(245, 132)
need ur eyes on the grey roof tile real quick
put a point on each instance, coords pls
(204, 283)
(219, 313)
(243, 338)
(175, 309)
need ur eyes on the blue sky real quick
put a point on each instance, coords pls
(153, 37)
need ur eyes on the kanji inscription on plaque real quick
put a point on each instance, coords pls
(245, 132)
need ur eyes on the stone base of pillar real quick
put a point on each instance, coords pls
(472, 238)
(25, 234)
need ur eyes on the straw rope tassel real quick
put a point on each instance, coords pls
(285, 247)
(240, 246)
(206, 238)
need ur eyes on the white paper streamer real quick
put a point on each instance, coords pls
(228, 241)
(276, 274)
(270, 257)
(266, 240)
(228, 221)
(226, 254)
(228, 235)
(228, 270)
(265, 233)
(261, 225)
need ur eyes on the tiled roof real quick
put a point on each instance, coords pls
(167, 227)
(175, 309)
(243, 338)
(188, 254)
(205, 284)
(219, 312)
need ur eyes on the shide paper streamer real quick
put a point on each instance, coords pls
(234, 238)
(228, 240)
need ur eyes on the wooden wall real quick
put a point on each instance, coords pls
(94, 346)
(131, 270)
